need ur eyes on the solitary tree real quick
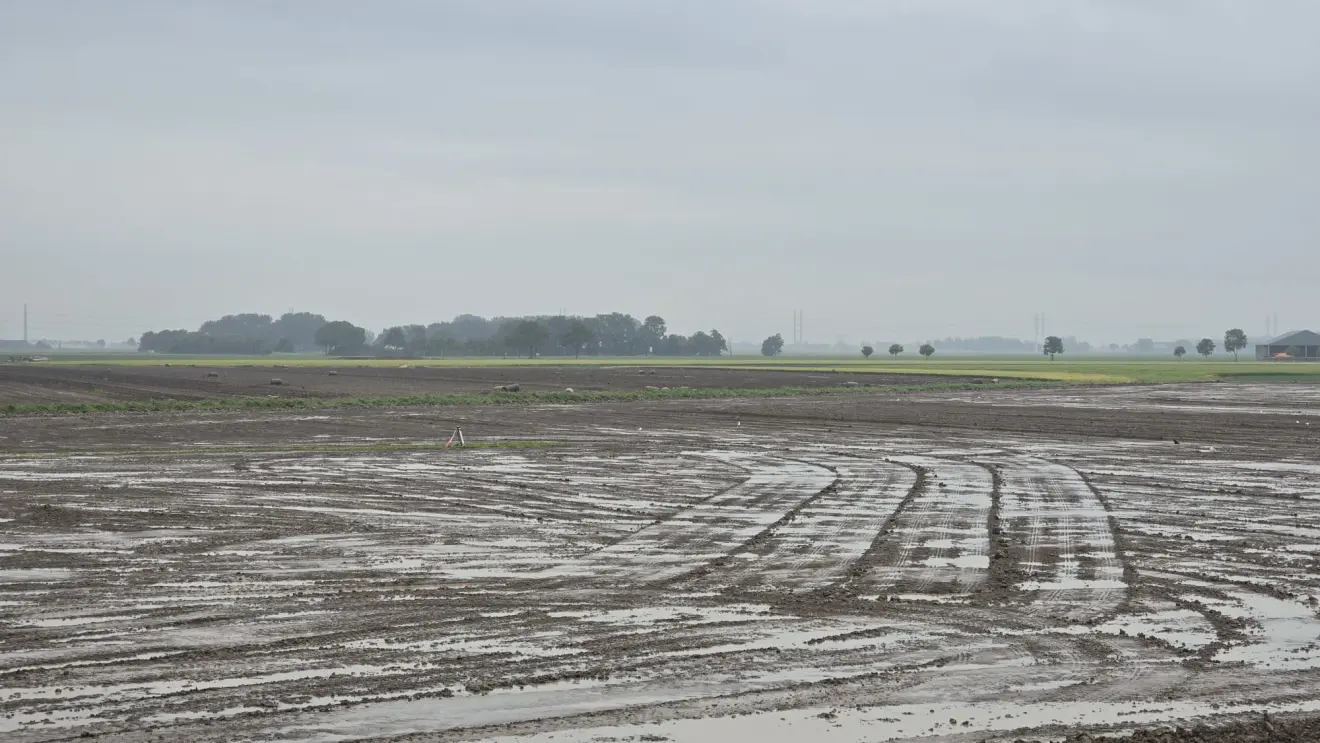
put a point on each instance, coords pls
(1053, 346)
(867, 351)
(772, 346)
(897, 348)
(1235, 340)
(926, 350)
(577, 337)
(1205, 347)
(708, 344)
(1180, 352)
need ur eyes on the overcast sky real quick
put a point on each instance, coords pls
(900, 169)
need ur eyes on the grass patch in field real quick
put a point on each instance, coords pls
(494, 398)
(1077, 372)
(1102, 370)
(946, 369)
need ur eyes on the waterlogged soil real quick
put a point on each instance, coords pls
(37, 384)
(952, 567)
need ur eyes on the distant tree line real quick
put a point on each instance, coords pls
(246, 333)
(613, 334)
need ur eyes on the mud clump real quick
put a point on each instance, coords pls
(1264, 729)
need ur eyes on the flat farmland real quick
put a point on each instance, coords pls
(110, 383)
(942, 566)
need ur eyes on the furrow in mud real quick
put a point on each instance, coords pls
(941, 540)
(825, 537)
(1070, 564)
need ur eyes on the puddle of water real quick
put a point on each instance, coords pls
(1289, 635)
(1075, 584)
(158, 688)
(911, 721)
(77, 621)
(927, 597)
(981, 562)
(35, 574)
(452, 644)
(1179, 627)
(687, 615)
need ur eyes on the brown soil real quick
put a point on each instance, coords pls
(30, 383)
(1263, 730)
(859, 563)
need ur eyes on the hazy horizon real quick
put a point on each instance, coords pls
(897, 169)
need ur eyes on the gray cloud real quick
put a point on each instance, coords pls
(900, 169)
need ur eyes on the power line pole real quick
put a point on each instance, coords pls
(25, 329)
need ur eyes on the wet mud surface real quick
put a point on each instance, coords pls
(1001, 566)
(30, 383)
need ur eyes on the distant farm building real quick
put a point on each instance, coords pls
(1299, 344)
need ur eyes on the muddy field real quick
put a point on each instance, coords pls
(1006, 565)
(35, 383)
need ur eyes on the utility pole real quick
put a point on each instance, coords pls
(25, 331)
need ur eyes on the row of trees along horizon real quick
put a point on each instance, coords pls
(613, 334)
(1234, 341)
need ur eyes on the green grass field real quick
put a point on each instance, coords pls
(1111, 370)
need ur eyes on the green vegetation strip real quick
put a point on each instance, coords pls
(495, 398)
(288, 449)
(1105, 370)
